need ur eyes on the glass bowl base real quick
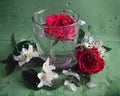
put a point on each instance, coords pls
(62, 62)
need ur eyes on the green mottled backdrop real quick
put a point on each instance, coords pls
(103, 17)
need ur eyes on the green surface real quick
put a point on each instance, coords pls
(103, 17)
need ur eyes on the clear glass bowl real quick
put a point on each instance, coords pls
(59, 45)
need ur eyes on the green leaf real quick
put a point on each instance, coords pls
(13, 41)
(9, 69)
(57, 83)
(30, 78)
(107, 48)
(20, 45)
(73, 80)
(10, 65)
(10, 60)
(81, 35)
(23, 44)
(84, 79)
(34, 45)
(34, 62)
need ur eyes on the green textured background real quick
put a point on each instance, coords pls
(103, 16)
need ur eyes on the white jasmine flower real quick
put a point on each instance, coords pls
(30, 53)
(46, 79)
(91, 85)
(26, 55)
(21, 59)
(102, 51)
(100, 48)
(68, 73)
(70, 85)
(98, 45)
(89, 42)
(48, 68)
(47, 76)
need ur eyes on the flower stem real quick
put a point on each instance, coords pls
(53, 43)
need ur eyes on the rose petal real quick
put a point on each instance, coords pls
(58, 31)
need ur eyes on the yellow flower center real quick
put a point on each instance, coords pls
(44, 77)
(29, 54)
(45, 68)
(22, 58)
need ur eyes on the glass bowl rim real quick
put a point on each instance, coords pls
(38, 12)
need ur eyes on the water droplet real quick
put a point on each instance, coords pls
(115, 17)
(8, 82)
(64, 11)
(68, 4)
(88, 27)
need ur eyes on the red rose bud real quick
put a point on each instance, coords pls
(58, 26)
(90, 61)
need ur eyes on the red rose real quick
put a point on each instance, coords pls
(58, 26)
(90, 61)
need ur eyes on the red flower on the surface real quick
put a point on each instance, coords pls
(59, 26)
(90, 61)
